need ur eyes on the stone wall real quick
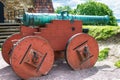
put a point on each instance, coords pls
(11, 6)
(14, 5)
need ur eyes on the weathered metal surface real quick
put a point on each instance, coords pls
(38, 19)
(31, 57)
(82, 51)
(8, 46)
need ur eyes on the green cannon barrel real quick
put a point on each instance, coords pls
(38, 19)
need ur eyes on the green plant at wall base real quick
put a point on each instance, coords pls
(103, 54)
(117, 64)
(102, 32)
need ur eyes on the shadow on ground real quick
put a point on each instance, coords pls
(7, 73)
(60, 71)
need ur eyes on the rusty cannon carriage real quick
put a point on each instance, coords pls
(44, 37)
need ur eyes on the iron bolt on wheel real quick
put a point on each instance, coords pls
(82, 51)
(8, 45)
(32, 57)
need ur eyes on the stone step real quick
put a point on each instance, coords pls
(6, 33)
(2, 40)
(7, 29)
(10, 24)
(4, 37)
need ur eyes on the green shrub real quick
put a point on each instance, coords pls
(92, 7)
(103, 54)
(64, 8)
(117, 64)
(102, 32)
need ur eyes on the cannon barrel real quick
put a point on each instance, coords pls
(39, 19)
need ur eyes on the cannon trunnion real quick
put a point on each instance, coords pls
(32, 52)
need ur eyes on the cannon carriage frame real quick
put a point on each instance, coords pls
(34, 50)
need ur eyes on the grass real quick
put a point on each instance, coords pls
(103, 54)
(117, 64)
(102, 32)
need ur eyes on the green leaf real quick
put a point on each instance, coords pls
(117, 64)
(103, 54)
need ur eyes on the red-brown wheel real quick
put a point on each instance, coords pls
(8, 45)
(82, 51)
(32, 57)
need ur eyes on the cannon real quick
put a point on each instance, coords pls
(43, 39)
(37, 19)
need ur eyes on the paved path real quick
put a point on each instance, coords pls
(101, 71)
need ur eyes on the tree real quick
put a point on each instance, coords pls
(96, 8)
(65, 8)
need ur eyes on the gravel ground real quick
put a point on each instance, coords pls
(104, 70)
